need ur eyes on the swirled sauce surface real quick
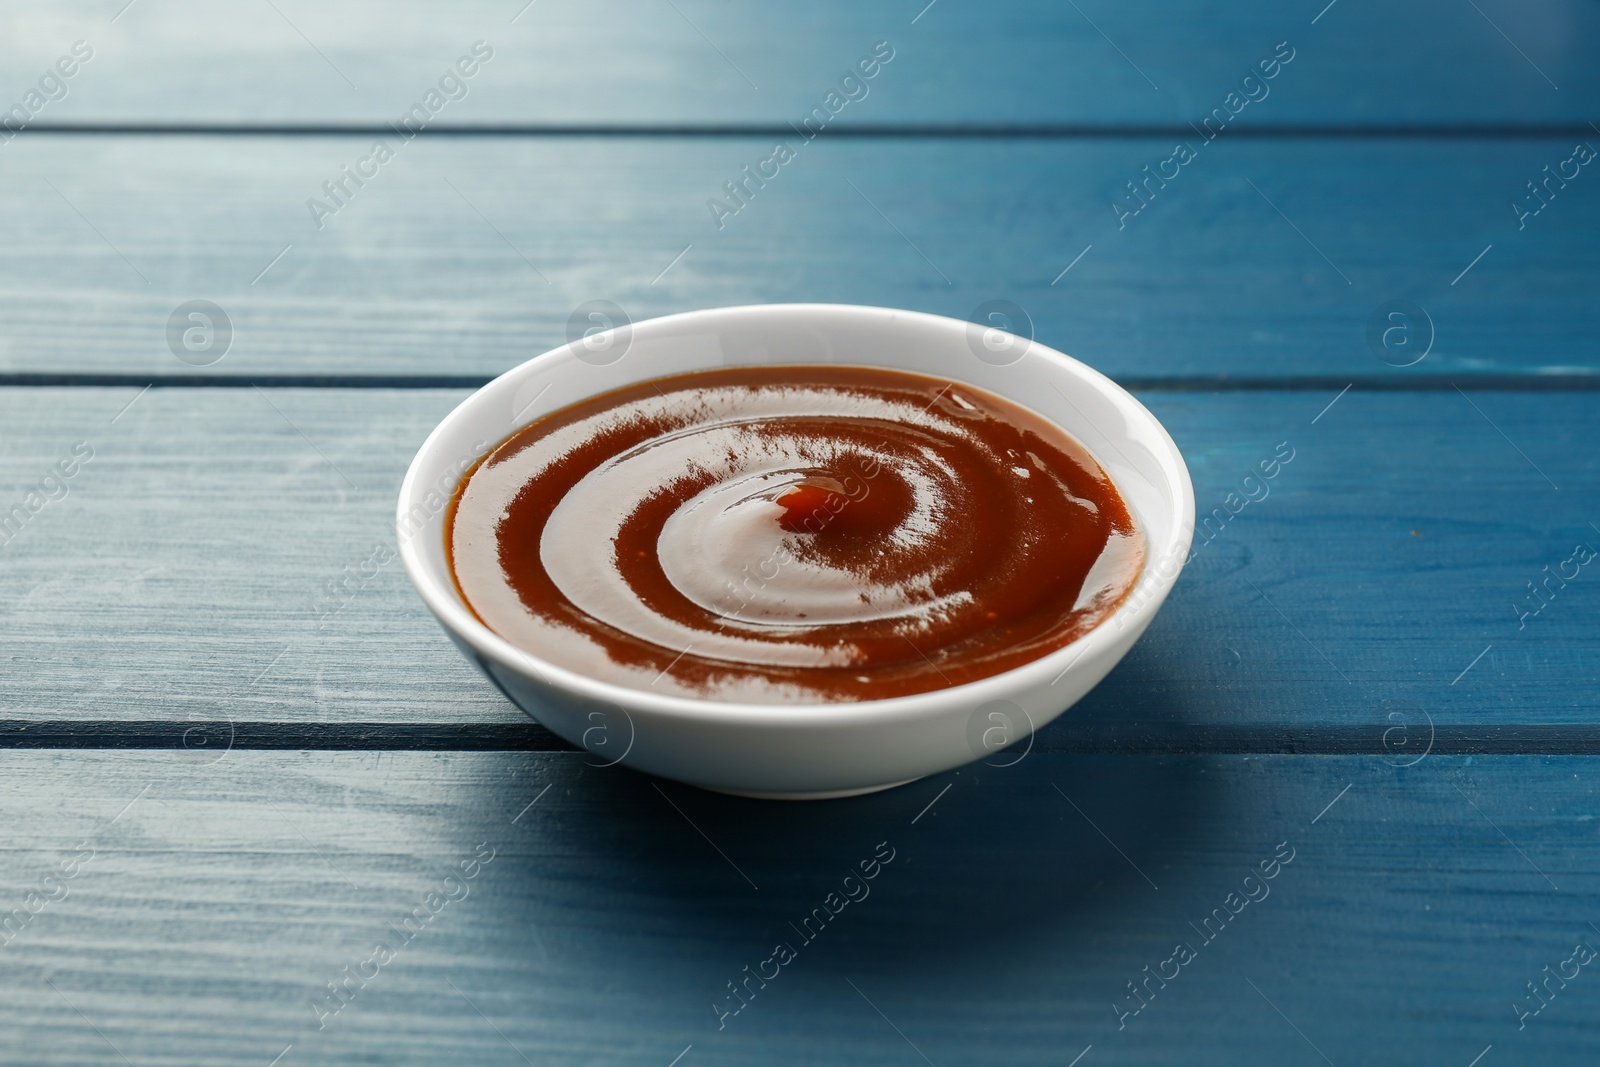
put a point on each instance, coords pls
(791, 535)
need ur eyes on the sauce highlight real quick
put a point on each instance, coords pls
(791, 535)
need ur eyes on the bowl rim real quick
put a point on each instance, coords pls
(438, 590)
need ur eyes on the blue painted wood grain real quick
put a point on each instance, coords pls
(467, 256)
(1019, 904)
(1375, 596)
(1091, 62)
(186, 572)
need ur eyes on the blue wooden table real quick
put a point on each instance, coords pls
(1339, 804)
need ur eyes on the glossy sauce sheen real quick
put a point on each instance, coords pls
(791, 535)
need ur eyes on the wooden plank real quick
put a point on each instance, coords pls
(217, 900)
(466, 256)
(185, 575)
(697, 60)
(205, 593)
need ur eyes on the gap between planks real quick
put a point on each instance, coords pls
(1556, 739)
(1018, 131)
(1529, 382)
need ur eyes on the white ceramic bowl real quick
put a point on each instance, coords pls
(813, 750)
